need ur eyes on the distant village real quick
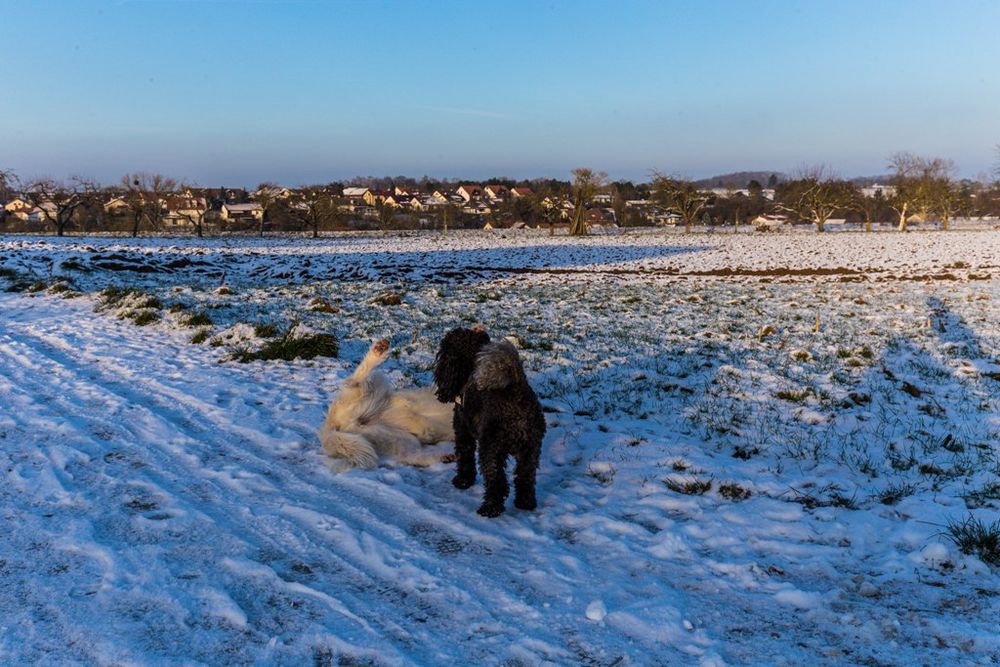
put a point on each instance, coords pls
(151, 203)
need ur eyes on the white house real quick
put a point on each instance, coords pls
(232, 212)
(469, 192)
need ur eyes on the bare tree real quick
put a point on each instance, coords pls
(449, 212)
(943, 198)
(146, 194)
(680, 195)
(386, 215)
(817, 194)
(9, 185)
(59, 200)
(317, 209)
(915, 180)
(586, 184)
(192, 208)
(266, 195)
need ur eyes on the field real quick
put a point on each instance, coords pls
(762, 449)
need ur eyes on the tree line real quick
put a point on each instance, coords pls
(916, 188)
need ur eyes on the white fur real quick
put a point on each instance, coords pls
(368, 418)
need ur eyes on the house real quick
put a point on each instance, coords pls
(355, 193)
(17, 204)
(184, 210)
(115, 206)
(769, 221)
(477, 208)
(273, 192)
(376, 197)
(667, 218)
(600, 216)
(44, 212)
(496, 192)
(241, 212)
(469, 192)
(518, 193)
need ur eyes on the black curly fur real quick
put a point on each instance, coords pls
(497, 409)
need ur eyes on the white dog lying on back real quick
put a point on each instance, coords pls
(368, 418)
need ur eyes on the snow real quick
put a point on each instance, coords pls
(162, 504)
(596, 611)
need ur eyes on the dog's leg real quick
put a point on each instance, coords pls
(493, 463)
(465, 453)
(524, 478)
(376, 354)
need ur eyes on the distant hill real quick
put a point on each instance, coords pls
(740, 179)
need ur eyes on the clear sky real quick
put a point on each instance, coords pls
(300, 91)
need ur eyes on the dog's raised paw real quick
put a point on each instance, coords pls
(381, 346)
(462, 482)
(490, 510)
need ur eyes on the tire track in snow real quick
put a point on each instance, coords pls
(273, 543)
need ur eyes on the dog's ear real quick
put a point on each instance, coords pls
(455, 360)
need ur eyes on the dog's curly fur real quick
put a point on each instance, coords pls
(368, 418)
(494, 407)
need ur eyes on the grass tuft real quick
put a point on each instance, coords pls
(143, 318)
(265, 330)
(388, 299)
(59, 288)
(893, 493)
(974, 537)
(201, 336)
(834, 499)
(200, 319)
(733, 491)
(113, 295)
(690, 486)
(794, 395)
(983, 496)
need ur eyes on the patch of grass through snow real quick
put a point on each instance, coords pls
(690, 486)
(974, 537)
(290, 347)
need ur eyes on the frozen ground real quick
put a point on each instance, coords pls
(755, 446)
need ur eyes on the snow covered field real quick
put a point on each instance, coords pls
(756, 445)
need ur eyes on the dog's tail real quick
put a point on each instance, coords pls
(497, 366)
(354, 450)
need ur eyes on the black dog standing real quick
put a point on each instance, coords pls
(494, 407)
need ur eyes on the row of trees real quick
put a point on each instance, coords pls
(918, 186)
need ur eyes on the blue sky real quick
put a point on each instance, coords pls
(239, 91)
